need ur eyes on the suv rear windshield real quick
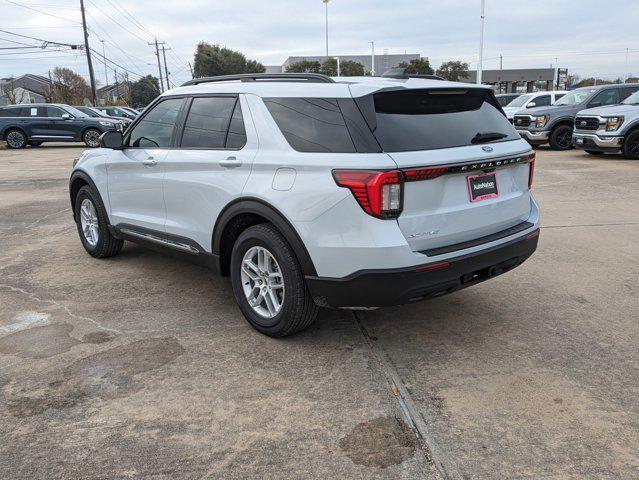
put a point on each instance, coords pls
(407, 120)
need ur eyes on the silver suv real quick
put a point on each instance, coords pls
(315, 192)
(612, 128)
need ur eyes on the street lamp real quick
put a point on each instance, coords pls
(326, 4)
(372, 58)
(481, 42)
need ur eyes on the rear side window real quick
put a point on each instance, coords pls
(407, 120)
(156, 128)
(207, 122)
(236, 138)
(311, 124)
(542, 101)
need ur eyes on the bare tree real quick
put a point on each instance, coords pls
(13, 92)
(69, 87)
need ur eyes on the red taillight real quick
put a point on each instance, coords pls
(423, 173)
(531, 172)
(379, 193)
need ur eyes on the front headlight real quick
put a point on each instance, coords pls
(106, 124)
(613, 123)
(539, 120)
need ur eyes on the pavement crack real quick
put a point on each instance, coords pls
(397, 390)
(34, 297)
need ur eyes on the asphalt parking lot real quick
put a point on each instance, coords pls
(142, 366)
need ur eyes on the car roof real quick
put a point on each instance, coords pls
(340, 87)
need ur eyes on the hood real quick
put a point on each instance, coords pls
(510, 111)
(111, 120)
(611, 110)
(554, 110)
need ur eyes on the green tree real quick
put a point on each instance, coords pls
(453, 70)
(417, 66)
(144, 91)
(211, 60)
(351, 68)
(305, 66)
(329, 67)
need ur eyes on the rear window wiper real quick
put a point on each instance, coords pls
(482, 137)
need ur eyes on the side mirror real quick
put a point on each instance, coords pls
(66, 116)
(531, 105)
(594, 104)
(112, 140)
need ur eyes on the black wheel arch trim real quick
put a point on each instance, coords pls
(562, 120)
(80, 174)
(274, 216)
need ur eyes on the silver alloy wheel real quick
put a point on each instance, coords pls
(89, 222)
(92, 138)
(262, 282)
(16, 139)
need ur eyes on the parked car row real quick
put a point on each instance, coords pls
(603, 119)
(33, 124)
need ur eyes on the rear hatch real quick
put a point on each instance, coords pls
(466, 168)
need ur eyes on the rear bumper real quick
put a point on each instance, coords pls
(381, 288)
(589, 141)
(534, 137)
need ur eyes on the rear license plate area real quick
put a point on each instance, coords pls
(482, 186)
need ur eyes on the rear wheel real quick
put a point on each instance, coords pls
(16, 139)
(93, 225)
(595, 152)
(268, 283)
(631, 146)
(561, 138)
(91, 137)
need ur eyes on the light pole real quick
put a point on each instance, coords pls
(627, 74)
(372, 58)
(481, 42)
(326, 4)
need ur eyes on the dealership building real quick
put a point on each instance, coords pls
(382, 62)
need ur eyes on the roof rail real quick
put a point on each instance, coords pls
(403, 74)
(256, 77)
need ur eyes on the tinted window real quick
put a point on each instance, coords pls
(432, 119)
(311, 124)
(8, 112)
(207, 122)
(558, 96)
(54, 112)
(629, 91)
(236, 137)
(156, 128)
(606, 97)
(542, 101)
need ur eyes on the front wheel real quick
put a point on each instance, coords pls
(631, 146)
(268, 283)
(561, 138)
(93, 226)
(91, 137)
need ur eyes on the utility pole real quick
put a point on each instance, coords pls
(166, 70)
(501, 62)
(106, 76)
(481, 42)
(556, 82)
(627, 74)
(88, 52)
(191, 68)
(372, 58)
(157, 54)
(326, 4)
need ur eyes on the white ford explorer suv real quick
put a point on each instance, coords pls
(316, 192)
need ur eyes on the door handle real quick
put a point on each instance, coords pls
(150, 162)
(231, 162)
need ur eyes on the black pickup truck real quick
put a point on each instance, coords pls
(32, 124)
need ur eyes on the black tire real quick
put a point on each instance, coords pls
(561, 137)
(298, 310)
(595, 152)
(15, 139)
(630, 147)
(107, 245)
(35, 144)
(91, 137)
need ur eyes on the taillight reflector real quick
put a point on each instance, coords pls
(380, 194)
(432, 266)
(423, 173)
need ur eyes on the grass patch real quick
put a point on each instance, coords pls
(2, 144)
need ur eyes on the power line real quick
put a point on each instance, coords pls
(41, 11)
(116, 22)
(103, 59)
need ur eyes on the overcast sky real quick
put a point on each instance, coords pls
(587, 36)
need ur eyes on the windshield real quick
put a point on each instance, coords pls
(575, 97)
(89, 112)
(75, 112)
(632, 99)
(520, 101)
